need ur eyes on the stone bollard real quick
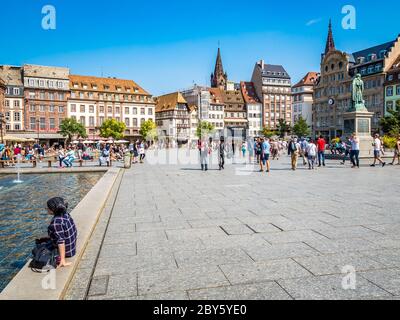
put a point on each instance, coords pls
(127, 160)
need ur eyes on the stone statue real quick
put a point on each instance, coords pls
(357, 94)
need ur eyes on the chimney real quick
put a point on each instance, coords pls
(262, 64)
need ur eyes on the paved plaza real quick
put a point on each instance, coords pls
(175, 232)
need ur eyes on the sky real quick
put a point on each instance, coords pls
(167, 46)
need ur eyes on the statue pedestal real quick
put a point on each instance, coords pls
(360, 123)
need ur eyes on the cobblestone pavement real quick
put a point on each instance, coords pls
(175, 232)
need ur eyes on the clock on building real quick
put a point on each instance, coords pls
(331, 101)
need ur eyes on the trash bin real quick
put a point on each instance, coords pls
(127, 160)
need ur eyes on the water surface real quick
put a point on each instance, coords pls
(23, 214)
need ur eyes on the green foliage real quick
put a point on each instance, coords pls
(283, 128)
(268, 133)
(112, 128)
(389, 142)
(148, 130)
(301, 128)
(391, 124)
(204, 129)
(70, 128)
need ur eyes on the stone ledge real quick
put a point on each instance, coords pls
(27, 285)
(53, 170)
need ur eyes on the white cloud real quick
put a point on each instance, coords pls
(313, 21)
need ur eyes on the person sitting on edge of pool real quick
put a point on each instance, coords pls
(62, 230)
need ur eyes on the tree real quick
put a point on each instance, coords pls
(283, 128)
(204, 129)
(112, 128)
(148, 130)
(70, 128)
(268, 133)
(301, 128)
(391, 124)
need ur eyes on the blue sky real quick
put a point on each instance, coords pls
(169, 45)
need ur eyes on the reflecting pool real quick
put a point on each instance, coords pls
(23, 214)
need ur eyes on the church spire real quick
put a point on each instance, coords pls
(219, 78)
(330, 43)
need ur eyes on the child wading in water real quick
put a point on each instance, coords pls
(62, 230)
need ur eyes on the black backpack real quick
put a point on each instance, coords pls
(44, 257)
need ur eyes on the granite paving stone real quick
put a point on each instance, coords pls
(258, 291)
(330, 288)
(175, 232)
(263, 271)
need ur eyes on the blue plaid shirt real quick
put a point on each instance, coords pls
(62, 230)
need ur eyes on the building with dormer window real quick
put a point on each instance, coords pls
(333, 89)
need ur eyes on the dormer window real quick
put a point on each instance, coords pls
(382, 54)
(371, 57)
(360, 60)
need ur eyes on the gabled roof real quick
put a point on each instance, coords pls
(31, 70)
(216, 96)
(249, 92)
(309, 80)
(169, 101)
(11, 75)
(231, 97)
(102, 83)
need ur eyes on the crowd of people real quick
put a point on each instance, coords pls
(105, 153)
(311, 151)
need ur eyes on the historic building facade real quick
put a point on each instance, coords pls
(46, 91)
(173, 118)
(235, 113)
(273, 86)
(94, 100)
(14, 105)
(332, 92)
(216, 110)
(392, 88)
(194, 122)
(254, 109)
(302, 98)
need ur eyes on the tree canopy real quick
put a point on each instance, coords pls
(112, 128)
(204, 129)
(70, 128)
(301, 128)
(148, 130)
(268, 133)
(391, 124)
(283, 128)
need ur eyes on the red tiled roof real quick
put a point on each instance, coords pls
(249, 92)
(101, 83)
(216, 96)
(309, 80)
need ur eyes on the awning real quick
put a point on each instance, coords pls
(33, 135)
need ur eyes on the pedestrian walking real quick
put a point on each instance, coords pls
(205, 151)
(346, 146)
(221, 153)
(311, 151)
(321, 144)
(265, 153)
(377, 151)
(355, 151)
(293, 151)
